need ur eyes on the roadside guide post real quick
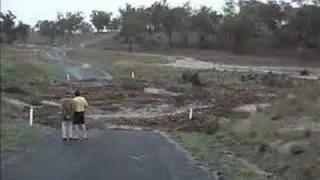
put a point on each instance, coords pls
(31, 116)
(190, 113)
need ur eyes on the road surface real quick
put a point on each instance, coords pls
(111, 155)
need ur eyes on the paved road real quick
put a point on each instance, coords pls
(111, 155)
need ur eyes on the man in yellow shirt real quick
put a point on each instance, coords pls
(79, 106)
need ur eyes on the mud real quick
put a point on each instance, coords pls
(191, 63)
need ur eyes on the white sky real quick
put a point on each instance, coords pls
(30, 11)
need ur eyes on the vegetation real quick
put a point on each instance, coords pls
(11, 32)
(285, 25)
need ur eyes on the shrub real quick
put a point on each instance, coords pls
(296, 149)
(189, 77)
(130, 85)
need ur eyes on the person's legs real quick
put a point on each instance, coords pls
(84, 131)
(76, 131)
(76, 125)
(64, 129)
(70, 129)
(83, 125)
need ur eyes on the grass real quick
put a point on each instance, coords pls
(257, 128)
(210, 148)
(20, 67)
(23, 64)
(17, 136)
(304, 101)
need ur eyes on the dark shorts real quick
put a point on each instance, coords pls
(78, 118)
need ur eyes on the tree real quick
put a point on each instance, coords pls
(238, 28)
(115, 23)
(85, 27)
(230, 8)
(100, 19)
(186, 21)
(68, 23)
(48, 28)
(205, 21)
(172, 21)
(131, 22)
(22, 31)
(8, 26)
(157, 13)
(264, 15)
(307, 23)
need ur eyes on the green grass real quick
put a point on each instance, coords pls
(209, 148)
(17, 136)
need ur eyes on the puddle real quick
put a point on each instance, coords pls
(151, 90)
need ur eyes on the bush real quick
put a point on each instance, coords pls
(210, 126)
(306, 172)
(263, 147)
(131, 85)
(186, 77)
(304, 72)
(296, 149)
(189, 77)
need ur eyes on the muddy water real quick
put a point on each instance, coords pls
(151, 90)
(187, 62)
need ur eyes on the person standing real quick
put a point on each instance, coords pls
(79, 106)
(67, 113)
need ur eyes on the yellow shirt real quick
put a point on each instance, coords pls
(79, 104)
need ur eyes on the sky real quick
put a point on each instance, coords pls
(30, 11)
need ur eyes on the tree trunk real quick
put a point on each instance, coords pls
(69, 33)
(130, 43)
(51, 39)
(186, 39)
(238, 44)
(202, 41)
(170, 39)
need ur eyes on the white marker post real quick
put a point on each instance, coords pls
(132, 75)
(190, 114)
(68, 76)
(31, 116)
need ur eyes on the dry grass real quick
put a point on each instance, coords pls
(303, 100)
(258, 127)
